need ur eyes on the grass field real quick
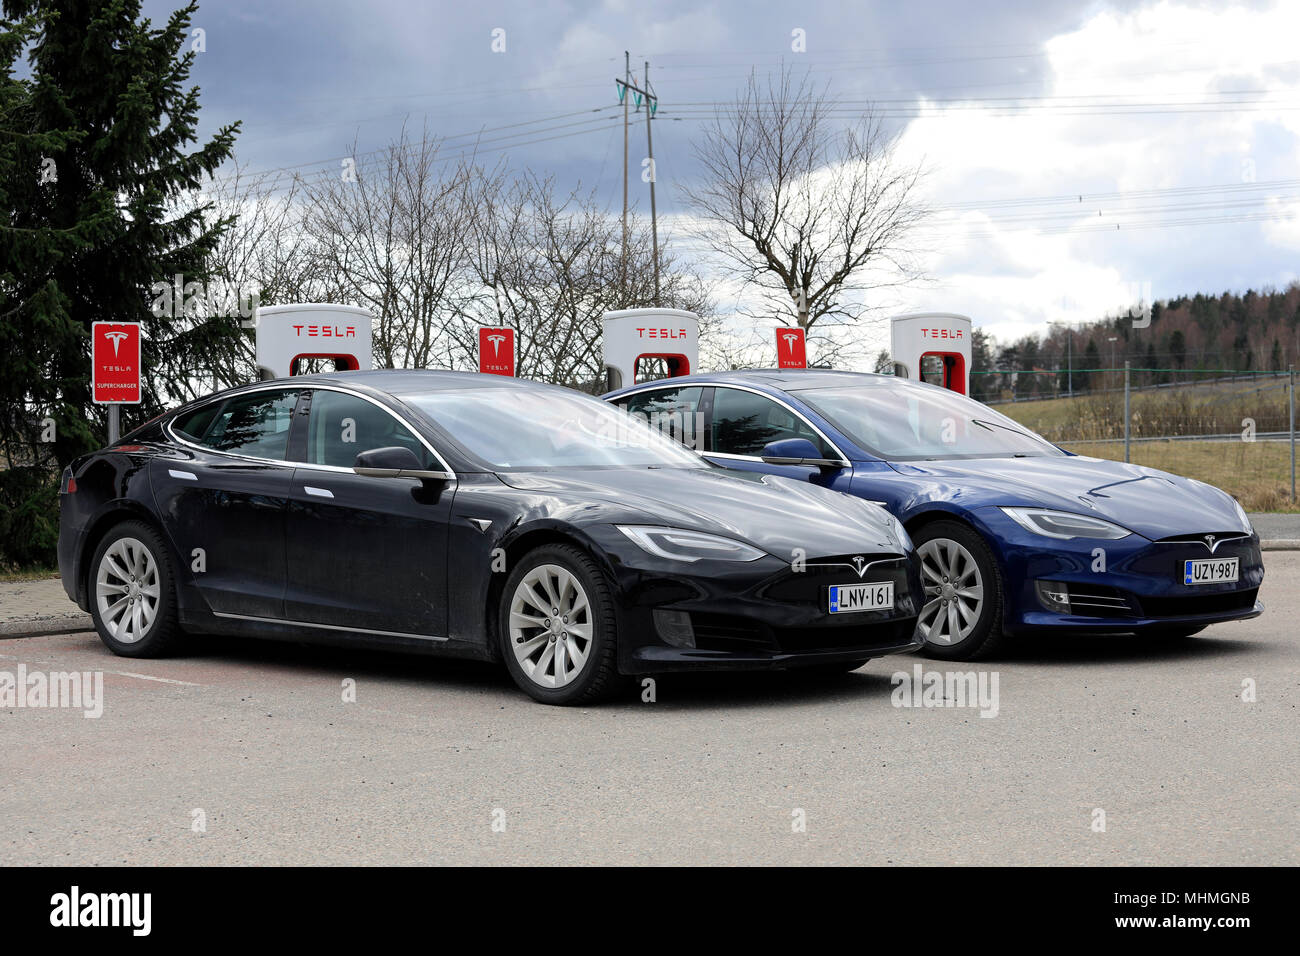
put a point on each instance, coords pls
(1258, 474)
(1212, 408)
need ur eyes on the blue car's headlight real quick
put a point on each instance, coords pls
(1064, 524)
(1241, 514)
(680, 545)
(900, 532)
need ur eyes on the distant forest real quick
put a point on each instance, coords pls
(1188, 336)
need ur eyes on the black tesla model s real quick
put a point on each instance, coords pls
(477, 516)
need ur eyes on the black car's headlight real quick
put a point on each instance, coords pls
(1064, 524)
(679, 545)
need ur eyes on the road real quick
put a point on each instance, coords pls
(247, 753)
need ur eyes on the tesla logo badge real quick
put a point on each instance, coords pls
(661, 333)
(791, 348)
(496, 350)
(860, 563)
(116, 338)
(115, 363)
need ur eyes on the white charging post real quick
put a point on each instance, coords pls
(636, 341)
(932, 347)
(288, 334)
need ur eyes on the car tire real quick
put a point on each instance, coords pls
(538, 644)
(131, 591)
(958, 567)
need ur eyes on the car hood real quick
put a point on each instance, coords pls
(1153, 503)
(779, 515)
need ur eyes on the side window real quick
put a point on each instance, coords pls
(342, 426)
(195, 424)
(674, 412)
(743, 422)
(255, 425)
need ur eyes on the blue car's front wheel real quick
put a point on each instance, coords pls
(961, 618)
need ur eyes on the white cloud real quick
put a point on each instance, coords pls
(1015, 276)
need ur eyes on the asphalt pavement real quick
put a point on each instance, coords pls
(1102, 750)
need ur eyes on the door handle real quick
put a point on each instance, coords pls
(318, 492)
(185, 475)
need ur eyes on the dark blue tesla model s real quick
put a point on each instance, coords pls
(1015, 535)
(478, 516)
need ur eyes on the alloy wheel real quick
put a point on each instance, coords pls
(127, 590)
(954, 592)
(551, 629)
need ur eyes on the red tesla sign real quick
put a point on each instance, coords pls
(791, 349)
(496, 351)
(115, 363)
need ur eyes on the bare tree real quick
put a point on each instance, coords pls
(548, 263)
(265, 247)
(387, 236)
(811, 212)
(261, 259)
(436, 247)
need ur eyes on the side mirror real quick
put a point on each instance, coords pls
(798, 451)
(393, 462)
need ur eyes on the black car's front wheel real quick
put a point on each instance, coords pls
(132, 599)
(961, 618)
(557, 627)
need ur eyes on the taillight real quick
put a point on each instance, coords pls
(67, 484)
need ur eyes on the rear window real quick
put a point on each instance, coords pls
(195, 424)
(255, 425)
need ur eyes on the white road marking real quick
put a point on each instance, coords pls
(161, 680)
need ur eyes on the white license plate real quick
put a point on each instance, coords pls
(876, 596)
(1212, 571)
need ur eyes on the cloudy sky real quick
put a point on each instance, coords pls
(1079, 155)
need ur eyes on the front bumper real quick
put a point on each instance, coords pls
(759, 615)
(1127, 586)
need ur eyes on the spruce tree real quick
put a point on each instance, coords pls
(102, 168)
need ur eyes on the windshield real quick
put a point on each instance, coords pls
(899, 422)
(528, 429)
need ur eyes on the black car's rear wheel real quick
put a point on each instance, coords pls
(961, 618)
(132, 598)
(557, 627)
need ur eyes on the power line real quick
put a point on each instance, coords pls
(253, 174)
(1123, 195)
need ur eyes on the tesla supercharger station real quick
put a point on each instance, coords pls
(635, 338)
(932, 347)
(287, 334)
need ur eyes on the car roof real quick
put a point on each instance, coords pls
(392, 383)
(407, 381)
(782, 378)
